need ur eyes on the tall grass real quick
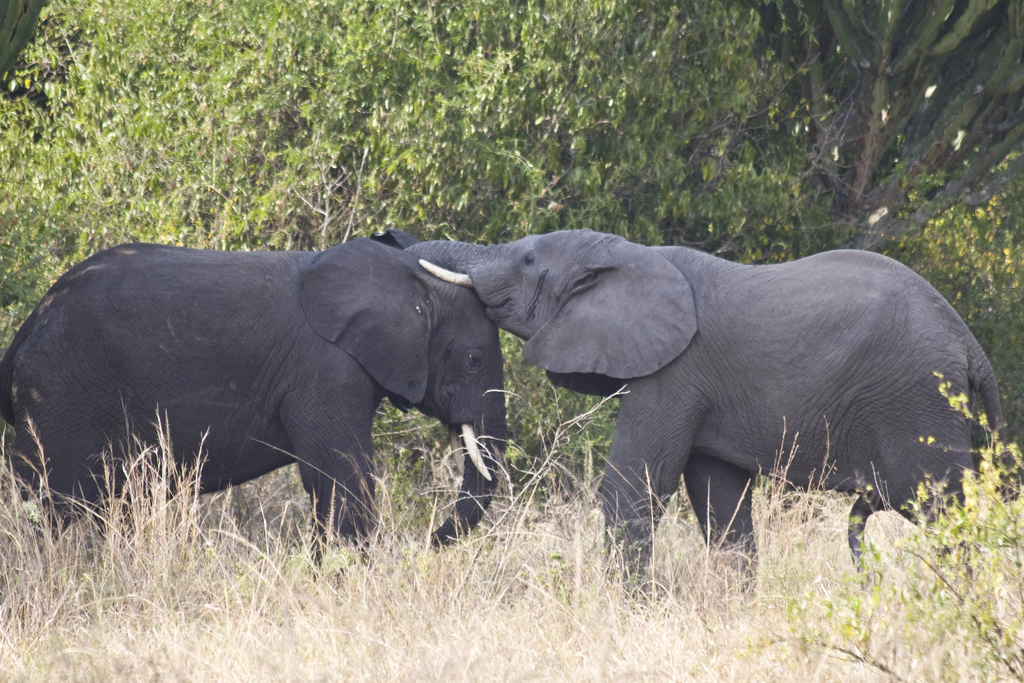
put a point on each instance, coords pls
(163, 583)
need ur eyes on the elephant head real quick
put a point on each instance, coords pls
(587, 303)
(427, 343)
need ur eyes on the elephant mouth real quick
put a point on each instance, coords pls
(499, 309)
(465, 439)
(503, 314)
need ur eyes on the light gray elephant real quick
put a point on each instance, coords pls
(843, 352)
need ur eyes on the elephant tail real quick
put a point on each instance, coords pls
(7, 368)
(983, 383)
(7, 372)
(7, 385)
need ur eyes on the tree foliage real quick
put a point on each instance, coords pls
(909, 107)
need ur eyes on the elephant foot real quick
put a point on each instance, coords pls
(866, 504)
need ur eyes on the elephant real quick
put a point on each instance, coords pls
(252, 361)
(843, 351)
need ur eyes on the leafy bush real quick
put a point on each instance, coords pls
(945, 602)
(282, 124)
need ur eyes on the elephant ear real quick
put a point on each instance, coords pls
(395, 238)
(586, 383)
(629, 315)
(366, 298)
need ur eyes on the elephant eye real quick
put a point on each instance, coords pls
(474, 361)
(528, 258)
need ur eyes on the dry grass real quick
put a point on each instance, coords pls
(219, 587)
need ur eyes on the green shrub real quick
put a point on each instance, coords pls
(945, 602)
(270, 124)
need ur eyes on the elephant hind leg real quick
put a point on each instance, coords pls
(866, 504)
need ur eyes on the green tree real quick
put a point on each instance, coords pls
(907, 108)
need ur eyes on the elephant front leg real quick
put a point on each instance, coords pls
(646, 462)
(721, 495)
(631, 513)
(342, 494)
(334, 450)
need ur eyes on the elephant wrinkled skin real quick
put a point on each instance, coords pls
(722, 360)
(256, 359)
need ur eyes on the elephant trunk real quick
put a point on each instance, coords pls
(458, 257)
(479, 478)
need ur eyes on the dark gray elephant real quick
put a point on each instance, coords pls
(721, 360)
(259, 359)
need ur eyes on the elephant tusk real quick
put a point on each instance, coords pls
(460, 279)
(454, 441)
(469, 438)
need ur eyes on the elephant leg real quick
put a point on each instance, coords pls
(334, 450)
(69, 472)
(342, 496)
(646, 462)
(866, 505)
(721, 495)
(631, 512)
